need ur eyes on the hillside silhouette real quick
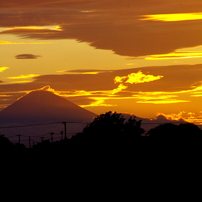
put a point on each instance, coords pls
(42, 106)
(46, 111)
(106, 131)
(169, 130)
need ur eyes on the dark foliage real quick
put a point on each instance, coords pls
(111, 126)
(109, 131)
(5, 143)
(170, 130)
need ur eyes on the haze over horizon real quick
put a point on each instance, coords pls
(142, 58)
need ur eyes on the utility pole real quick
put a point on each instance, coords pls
(30, 145)
(61, 132)
(65, 129)
(19, 138)
(51, 133)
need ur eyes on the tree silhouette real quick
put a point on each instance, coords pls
(163, 130)
(5, 143)
(189, 130)
(111, 126)
(175, 131)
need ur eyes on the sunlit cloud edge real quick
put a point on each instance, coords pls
(173, 17)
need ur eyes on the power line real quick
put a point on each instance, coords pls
(40, 124)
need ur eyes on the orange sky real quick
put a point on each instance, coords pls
(140, 57)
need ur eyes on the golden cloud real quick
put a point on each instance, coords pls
(32, 28)
(25, 76)
(120, 19)
(172, 116)
(135, 78)
(119, 89)
(16, 82)
(173, 17)
(2, 69)
(186, 116)
(196, 91)
(44, 88)
(161, 97)
(153, 97)
(91, 72)
(98, 102)
(176, 55)
(171, 101)
(5, 96)
(100, 93)
(158, 98)
(84, 71)
(21, 43)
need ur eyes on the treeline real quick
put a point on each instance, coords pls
(106, 131)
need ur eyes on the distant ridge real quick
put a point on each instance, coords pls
(42, 106)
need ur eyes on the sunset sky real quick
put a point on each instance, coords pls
(130, 56)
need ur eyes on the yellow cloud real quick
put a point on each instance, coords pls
(98, 102)
(119, 89)
(176, 55)
(107, 93)
(91, 73)
(197, 95)
(173, 116)
(119, 79)
(173, 17)
(135, 78)
(196, 91)
(3, 69)
(5, 96)
(20, 43)
(186, 116)
(25, 81)
(158, 98)
(139, 77)
(172, 101)
(54, 28)
(27, 76)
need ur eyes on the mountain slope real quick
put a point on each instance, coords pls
(43, 106)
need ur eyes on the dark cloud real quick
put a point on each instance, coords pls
(27, 56)
(89, 82)
(110, 24)
(1, 81)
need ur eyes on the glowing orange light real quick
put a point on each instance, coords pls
(176, 55)
(3, 69)
(173, 17)
(23, 76)
(6, 95)
(135, 78)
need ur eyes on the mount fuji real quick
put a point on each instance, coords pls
(42, 107)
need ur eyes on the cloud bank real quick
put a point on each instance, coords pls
(144, 85)
(108, 24)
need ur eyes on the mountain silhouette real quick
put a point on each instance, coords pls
(42, 106)
(40, 113)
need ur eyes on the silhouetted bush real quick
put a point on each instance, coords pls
(110, 126)
(5, 143)
(170, 130)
